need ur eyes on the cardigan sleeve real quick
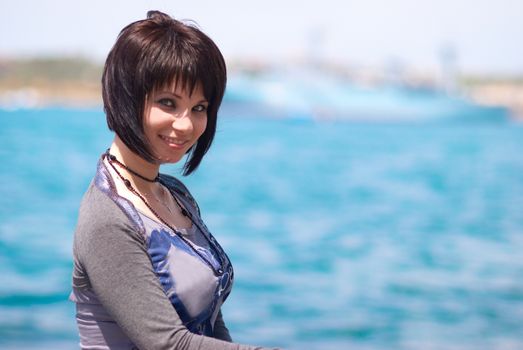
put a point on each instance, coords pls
(119, 270)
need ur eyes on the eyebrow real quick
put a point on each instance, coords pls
(179, 97)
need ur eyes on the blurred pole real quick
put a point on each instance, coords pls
(449, 70)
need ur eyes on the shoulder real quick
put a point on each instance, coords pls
(101, 220)
(98, 209)
(174, 184)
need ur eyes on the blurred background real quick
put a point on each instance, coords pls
(366, 179)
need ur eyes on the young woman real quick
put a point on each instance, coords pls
(148, 274)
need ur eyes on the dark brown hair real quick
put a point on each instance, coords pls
(153, 53)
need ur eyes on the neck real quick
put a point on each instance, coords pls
(134, 162)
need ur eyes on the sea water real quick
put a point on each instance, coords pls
(343, 235)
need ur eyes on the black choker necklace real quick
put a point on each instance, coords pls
(113, 158)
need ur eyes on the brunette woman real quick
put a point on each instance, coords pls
(148, 274)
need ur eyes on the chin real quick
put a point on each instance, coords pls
(170, 160)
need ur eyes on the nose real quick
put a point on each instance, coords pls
(183, 122)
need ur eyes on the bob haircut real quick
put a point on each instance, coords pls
(155, 53)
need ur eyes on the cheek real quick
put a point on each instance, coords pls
(200, 126)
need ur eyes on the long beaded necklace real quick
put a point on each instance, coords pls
(112, 159)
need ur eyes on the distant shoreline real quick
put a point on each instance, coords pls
(87, 96)
(504, 94)
(75, 83)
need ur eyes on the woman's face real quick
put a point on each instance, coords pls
(173, 121)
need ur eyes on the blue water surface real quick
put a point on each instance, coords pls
(343, 235)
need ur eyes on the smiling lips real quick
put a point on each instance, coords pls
(173, 142)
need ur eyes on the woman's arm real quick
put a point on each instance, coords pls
(120, 272)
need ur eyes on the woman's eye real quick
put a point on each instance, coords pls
(167, 102)
(200, 108)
